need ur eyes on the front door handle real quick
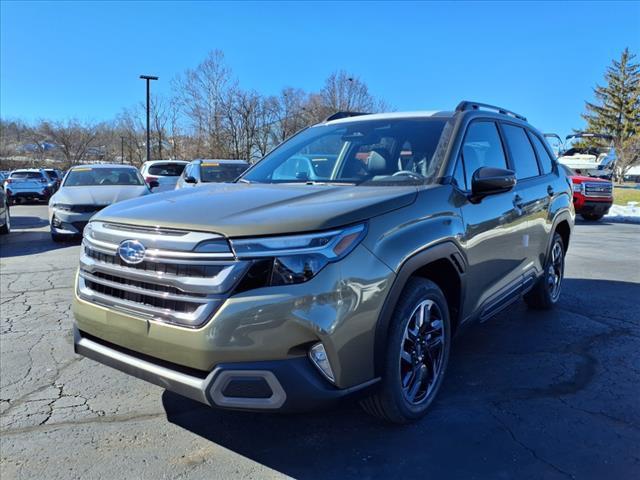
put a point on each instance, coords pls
(517, 201)
(550, 191)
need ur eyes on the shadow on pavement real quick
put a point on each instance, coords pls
(523, 358)
(21, 221)
(17, 244)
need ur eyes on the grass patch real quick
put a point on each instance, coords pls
(623, 195)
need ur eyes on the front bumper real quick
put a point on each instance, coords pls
(68, 223)
(281, 385)
(339, 307)
(598, 206)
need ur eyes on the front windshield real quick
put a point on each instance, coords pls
(103, 176)
(373, 152)
(216, 172)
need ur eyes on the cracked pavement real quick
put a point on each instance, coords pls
(528, 394)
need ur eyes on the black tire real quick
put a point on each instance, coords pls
(6, 228)
(391, 401)
(590, 217)
(58, 238)
(546, 292)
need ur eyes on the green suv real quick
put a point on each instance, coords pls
(340, 265)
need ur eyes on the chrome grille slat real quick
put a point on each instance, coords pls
(169, 256)
(187, 284)
(143, 291)
(600, 189)
(171, 284)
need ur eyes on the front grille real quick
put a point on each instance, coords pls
(86, 208)
(154, 287)
(177, 269)
(599, 189)
(172, 284)
(79, 226)
(174, 305)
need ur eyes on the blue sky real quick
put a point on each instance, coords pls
(82, 60)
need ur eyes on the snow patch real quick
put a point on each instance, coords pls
(629, 213)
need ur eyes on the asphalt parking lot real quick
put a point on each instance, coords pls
(528, 394)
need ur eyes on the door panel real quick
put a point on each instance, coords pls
(491, 226)
(531, 196)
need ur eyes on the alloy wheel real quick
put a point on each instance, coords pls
(422, 352)
(555, 271)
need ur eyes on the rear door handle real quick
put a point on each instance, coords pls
(550, 191)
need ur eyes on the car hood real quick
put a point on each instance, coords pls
(238, 209)
(98, 195)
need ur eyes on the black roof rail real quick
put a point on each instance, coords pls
(466, 105)
(339, 115)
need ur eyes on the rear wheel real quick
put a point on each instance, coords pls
(546, 293)
(591, 217)
(417, 354)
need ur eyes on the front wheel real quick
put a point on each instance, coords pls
(6, 228)
(417, 354)
(591, 217)
(546, 293)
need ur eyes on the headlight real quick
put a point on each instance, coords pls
(62, 206)
(297, 258)
(577, 187)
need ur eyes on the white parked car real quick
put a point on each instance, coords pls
(86, 189)
(165, 172)
(29, 184)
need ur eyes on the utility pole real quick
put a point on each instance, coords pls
(121, 149)
(148, 78)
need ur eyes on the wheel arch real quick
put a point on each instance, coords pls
(563, 224)
(445, 265)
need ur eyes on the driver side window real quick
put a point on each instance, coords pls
(482, 147)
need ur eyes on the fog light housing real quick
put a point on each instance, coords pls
(56, 223)
(318, 357)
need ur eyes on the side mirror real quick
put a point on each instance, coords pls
(489, 181)
(154, 184)
(190, 179)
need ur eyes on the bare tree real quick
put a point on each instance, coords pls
(628, 153)
(201, 93)
(72, 138)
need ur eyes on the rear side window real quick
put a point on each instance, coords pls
(166, 169)
(482, 148)
(546, 162)
(524, 160)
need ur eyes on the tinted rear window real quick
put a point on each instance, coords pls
(546, 162)
(524, 159)
(220, 172)
(36, 175)
(52, 173)
(167, 169)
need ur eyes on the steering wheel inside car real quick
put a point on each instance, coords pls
(408, 173)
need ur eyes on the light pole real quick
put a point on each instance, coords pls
(148, 78)
(121, 149)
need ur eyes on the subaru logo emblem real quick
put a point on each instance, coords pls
(131, 251)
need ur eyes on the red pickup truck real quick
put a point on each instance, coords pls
(592, 197)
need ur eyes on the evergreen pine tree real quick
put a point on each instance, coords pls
(616, 110)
